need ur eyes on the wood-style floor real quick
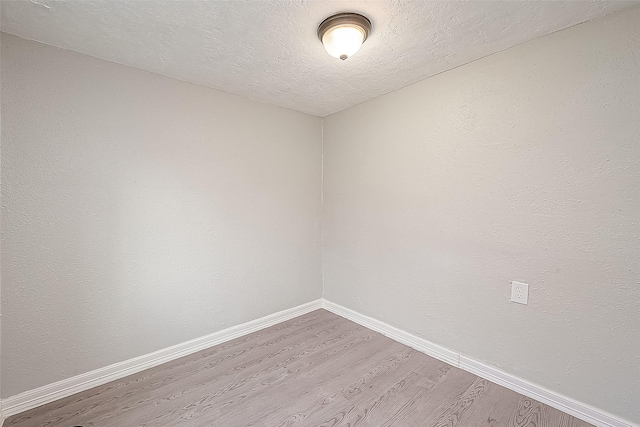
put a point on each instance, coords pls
(315, 370)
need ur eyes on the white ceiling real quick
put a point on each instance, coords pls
(269, 51)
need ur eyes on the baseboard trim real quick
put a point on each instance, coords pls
(49, 393)
(565, 404)
(394, 333)
(570, 406)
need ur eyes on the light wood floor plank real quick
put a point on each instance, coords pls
(315, 370)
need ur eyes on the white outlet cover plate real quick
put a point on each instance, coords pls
(520, 292)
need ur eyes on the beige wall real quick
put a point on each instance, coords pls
(140, 212)
(523, 166)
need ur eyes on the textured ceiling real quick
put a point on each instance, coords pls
(268, 50)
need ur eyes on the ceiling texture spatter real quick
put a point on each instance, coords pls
(269, 51)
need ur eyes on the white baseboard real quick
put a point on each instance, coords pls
(420, 344)
(579, 410)
(49, 393)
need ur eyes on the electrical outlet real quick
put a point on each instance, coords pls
(519, 292)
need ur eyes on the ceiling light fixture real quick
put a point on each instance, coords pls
(343, 34)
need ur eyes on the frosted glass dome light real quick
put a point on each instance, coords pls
(343, 34)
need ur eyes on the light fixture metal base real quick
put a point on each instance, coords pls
(347, 18)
